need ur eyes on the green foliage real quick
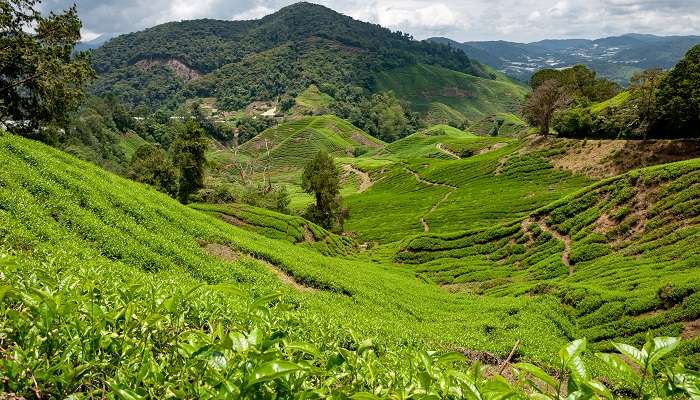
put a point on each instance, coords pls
(678, 98)
(243, 61)
(188, 151)
(423, 86)
(579, 81)
(150, 165)
(41, 81)
(321, 178)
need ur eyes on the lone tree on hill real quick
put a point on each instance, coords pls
(188, 152)
(543, 102)
(321, 178)
(41, 80)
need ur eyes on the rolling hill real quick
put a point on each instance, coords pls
(148, 281)
(240, 61)
(292, 144)
(426, 86)
(616, 57)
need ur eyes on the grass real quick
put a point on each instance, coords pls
(424, 85)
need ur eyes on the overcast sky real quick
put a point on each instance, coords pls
(463, 20)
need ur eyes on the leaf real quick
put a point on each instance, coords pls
(600, 389)
(572, 350)
(450, 357)
(537, 372)
(578, 369)
(661, 347)
(264, 300)
(229, 289)
(637, 356)
(272, 370)
(363, 396)
(304, 348)
(4, 291)
(619, 365)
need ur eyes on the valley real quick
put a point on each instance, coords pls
(310, 206)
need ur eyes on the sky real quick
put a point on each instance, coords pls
(463, 20)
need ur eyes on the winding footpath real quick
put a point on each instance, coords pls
(426, 227)
(565, 239)
(365, 181)
(441, 147)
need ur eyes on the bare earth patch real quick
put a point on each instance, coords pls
(365, 181)
(308, 235)
(604, 158)
(691, 329)
(491, 148)
(441, 147)
(233, 220)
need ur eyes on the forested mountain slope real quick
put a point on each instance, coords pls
(240, 61)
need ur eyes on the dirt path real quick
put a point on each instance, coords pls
(365, 181)
(565, 239)
(447, 151)
(426, 227)
(225, 253)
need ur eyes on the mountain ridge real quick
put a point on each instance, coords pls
(614, 57)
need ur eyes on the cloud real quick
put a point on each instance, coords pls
(516, 20)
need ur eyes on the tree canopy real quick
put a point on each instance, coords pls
(41, 80)
(321, 178)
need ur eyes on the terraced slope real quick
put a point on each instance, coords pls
(290, 228)
(491, 183)
(61, 216)
(292, 144)
(622, 254)
(424, 85)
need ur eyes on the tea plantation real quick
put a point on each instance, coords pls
(109, 288)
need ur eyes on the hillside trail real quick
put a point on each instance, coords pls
(426, 227)
(564, 238)
(441, 147)
(365, 181)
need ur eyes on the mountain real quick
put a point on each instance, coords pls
(94, 43)
(615, 57)
(281, 54)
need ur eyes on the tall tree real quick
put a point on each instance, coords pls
(644, 87)
(150, 165)
(189, 153)
(678, 99)
(41, 81)
(321, 178)
(543, 102)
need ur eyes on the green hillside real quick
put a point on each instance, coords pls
(275, 225)
(621, 254)
(292, 144)
(241, 61)
(474, 97)
(147, 281)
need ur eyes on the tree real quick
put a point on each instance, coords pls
(321, 178)
(678, 99)
(644, 87)
(543, 102)
(189, 154)
(41, 81)
(151, 165)
(580, 82)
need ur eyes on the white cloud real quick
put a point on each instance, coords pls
(254, 13)
(517, 20)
